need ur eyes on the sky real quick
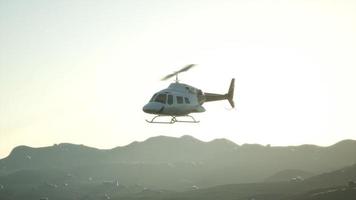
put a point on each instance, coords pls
(81, 71)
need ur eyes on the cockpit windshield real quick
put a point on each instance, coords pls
(161, 98)
(153, 97)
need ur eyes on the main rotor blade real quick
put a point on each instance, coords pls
(168, 76)
(184, 69)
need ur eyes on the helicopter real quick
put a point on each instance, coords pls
(180, 100)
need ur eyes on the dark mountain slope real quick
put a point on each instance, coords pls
(332, 185)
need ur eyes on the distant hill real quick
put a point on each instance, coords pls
(180, 163)
(289, 175)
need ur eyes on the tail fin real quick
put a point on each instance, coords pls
(230, 94)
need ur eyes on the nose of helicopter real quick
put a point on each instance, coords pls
(152, 108)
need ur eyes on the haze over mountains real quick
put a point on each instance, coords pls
(161, 164)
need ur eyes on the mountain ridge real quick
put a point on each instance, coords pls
(159, 138)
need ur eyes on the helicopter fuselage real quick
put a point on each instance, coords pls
(177, 100)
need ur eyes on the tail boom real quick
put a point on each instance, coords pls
(218, 97)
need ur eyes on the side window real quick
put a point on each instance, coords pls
(161, 98)
(170, 99)
(186, 100)
(179, 100)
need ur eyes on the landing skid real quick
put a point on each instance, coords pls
(173, 120)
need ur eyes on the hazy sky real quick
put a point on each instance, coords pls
(80, 71)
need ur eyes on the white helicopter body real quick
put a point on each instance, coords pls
(176, 100)
(179, 100)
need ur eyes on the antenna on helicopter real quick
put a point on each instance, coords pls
(184, 69)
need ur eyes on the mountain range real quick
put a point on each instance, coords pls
(170, 167)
